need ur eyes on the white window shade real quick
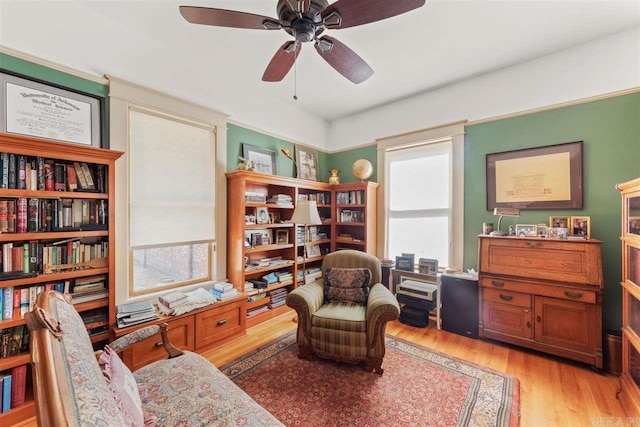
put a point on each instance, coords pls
(172, 176)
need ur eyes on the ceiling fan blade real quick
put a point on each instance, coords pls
(343, 59)
(281, 62)
(359, 12)
(228, 18)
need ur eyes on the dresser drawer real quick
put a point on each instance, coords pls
(507, 297)
(545, 259)
(585, 294)
(180, 334)
(217, 324)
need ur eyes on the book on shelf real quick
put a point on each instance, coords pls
(6, 392)
(89, 296)
(18, 385)
(224, 295)
(173, 299)
(223, 286)
(135, 313)
(133, 308)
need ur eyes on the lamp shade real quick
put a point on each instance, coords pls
(306, 212)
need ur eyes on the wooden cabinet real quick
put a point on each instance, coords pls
(44, 212)
(197, 330)
(545, 294)
(629, 392)
(251, 194)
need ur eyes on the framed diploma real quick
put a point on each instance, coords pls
(36, 109)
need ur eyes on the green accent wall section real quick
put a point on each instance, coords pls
(54, 77)
(344, 161)
(237, 135)
(610, 129)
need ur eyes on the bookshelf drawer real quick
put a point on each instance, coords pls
(180, 334)
(218, 323)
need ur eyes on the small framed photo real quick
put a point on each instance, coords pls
(282, 237)
(262, 216)
(250, 219)
(404, 263)
(526, 230)
(563, 232)
(543, 230)
(313, 251)
(552, 232)
(307, 162)
(428, 266)
(274, 217)
(265, 236)
(581, 226)
(559, 221)
(263, 159)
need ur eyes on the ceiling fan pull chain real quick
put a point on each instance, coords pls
(295, 73)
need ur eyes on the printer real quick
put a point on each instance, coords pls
(417, 294)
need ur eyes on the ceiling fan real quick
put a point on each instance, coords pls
(306, 20)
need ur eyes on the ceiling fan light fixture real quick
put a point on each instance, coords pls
(324, 45)
(271, 25)
(333, 20)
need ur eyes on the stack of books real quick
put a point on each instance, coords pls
(89, 289)
(284, 276)
(281, 200)
(312, 274)
(135, 313)
(277, 297)
(223, 291)
(173, 299)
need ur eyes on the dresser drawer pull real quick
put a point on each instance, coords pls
(159, 344)
(222, 322)
(506, 297)
(574, 295)
(539, 319)
(497, 284)
(534, 244)
(528, 324)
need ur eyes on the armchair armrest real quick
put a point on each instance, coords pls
(142, 334)
(382, 306)
(307, 299)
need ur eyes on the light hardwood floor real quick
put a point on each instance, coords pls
(553, 391)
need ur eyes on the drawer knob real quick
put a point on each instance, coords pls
(528, 324)
(497, 284)
(574, 295)
(506, 297)
(539, 319)
(159, 344)
(222, 322)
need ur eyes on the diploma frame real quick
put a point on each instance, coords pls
(88, 131)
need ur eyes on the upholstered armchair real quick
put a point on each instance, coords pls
(345, 322)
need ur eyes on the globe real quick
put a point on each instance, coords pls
(362, 169)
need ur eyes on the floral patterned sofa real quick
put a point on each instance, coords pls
(76, 387)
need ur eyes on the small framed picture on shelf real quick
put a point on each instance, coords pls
(312, 251)
(274, 217)
(263, 159)
(559, 221)
(404, 263)
(581, 226)
(428, 266)
(249, 219)
(282, 237)
(552, 232)
(526, 230)
(262, 216)
(265, 235)
(543, 230)
(307, 163)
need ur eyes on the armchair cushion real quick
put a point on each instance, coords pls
(347, 285)
(341, 316)
(123, 386)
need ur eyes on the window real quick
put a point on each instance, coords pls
(419, 208)
(171, 201)
(421, 175)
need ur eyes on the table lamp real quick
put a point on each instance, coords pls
(306, 213)
(503, 212)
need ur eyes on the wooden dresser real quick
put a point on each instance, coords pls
(544, 294)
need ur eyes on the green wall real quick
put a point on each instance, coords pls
(238, 135)
(610, 129)
(50, 76)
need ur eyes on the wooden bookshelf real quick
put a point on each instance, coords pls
(325, 235)
(39, 234)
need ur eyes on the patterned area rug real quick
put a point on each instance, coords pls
(420, 387)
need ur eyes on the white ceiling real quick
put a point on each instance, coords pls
(149, 43)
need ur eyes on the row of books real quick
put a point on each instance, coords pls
(13, 384)
(41, 258)
(353, 197)
(18, 171)
(14, 341)
(22, 215)
(277, 297)
(321, 198)
(255, 197)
